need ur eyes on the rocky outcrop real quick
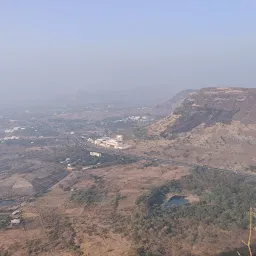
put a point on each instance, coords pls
(207, 107)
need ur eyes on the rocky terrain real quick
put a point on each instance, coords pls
(209, 106)
(165, 108)
(129, 209)
(214, 126)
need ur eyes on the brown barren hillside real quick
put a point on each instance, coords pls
(214, 126)
(209, 106)
(56, 224)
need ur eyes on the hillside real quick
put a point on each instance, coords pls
(165, 108)
(214, 126)
(158, 205)
(208, 107)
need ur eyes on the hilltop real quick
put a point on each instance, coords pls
(209, 106)
(213, 126)
(165, 108)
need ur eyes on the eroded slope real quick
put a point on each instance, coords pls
(209, 106)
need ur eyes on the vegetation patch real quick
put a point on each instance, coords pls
(90, 196)
(5, 221)
(58, 235)
(4, 252)
(251, 168)
(225, 200)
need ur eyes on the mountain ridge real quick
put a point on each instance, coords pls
(209, 106)
(166, 107)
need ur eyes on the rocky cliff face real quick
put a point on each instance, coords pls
(207, 107)
(165, 108)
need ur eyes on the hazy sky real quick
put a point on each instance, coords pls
(49, 46)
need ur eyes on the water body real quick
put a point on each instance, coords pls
(177, 201)
(7, 203)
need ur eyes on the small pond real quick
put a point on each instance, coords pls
(177, 201)
(4, 203)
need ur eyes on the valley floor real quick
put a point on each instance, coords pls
(55, 225)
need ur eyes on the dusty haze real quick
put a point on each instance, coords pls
(49, 49)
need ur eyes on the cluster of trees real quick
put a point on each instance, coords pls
(141, 133)
(124, 159)
(80, 157)
(225, 200)
(4, 252)
(92, 195)
(157, 195)
(151, 163)
(251, 168)
(5, 221)
(239, 251)
(60, 235)
(88, 196)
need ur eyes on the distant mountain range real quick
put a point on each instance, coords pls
(157, 99)
(124, 97)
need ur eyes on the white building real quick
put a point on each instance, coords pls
(8, 131)
(110, 142)
(15, 221)
(11, 138)
(14, 129)
(16, 213)
(119, 138)
(97, 154)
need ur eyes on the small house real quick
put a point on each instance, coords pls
(97, 154)
(15, 221)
